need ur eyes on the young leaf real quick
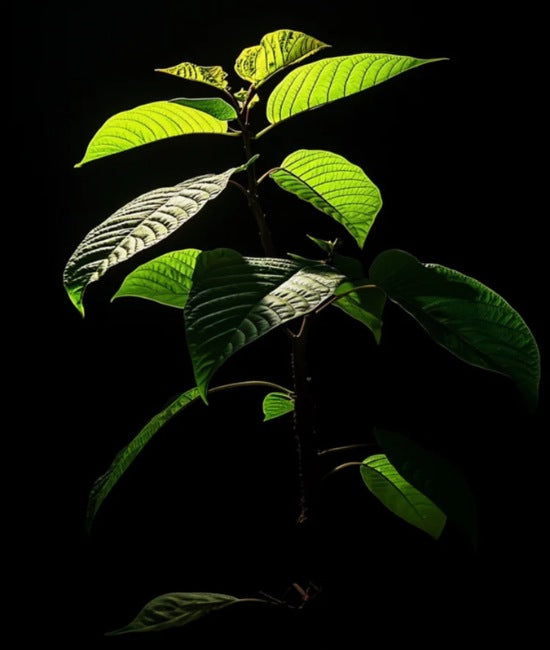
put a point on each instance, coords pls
(142, 223)
(166, 279)
(149, 123)
(177, 609)
(399, 496)
(334, 186)
(435, 477)
(105, 483)
(276, 51)
(236, 299)
(330, 79)
(277, 404)
(214, 106)
(464, 316)
(213, 75)
(365, 305)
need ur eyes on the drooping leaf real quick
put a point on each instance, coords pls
(105, 483)
(177, 609)
(334, 186)
(435, 477)
(236, 299)
(149, 123)
(365, 305)
(277, 404)
(142, 223)
(330, 79)
(399, 496)
(464, 316)
(213, 75)
(214, 106)
(276, 51)
(166, 279)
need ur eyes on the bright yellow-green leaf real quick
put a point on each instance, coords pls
(149, 123)
(399, 496)
(213, 75)
(333, 185)
(241, 96)
(215, 106)
(277, 404)
(276, 51)
(330, 79)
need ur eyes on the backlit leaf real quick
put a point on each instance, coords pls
(276, 51)
(277, 404)
(213, 75)
(214, 106)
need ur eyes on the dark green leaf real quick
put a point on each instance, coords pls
(235, 300)
(214, 106)
(334, 186)
(277, 404)
(399, 496)
(464, 316)
(166, 279)
(435, 477)
(365, 305)
(177, 609)
(105, 483)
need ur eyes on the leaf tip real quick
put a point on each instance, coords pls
(75, 296)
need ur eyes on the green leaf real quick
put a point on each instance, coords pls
(365, 305)
(276, 51)
(334, 186)
(435, 477)
(177, 609)
(277, 404)
(166, 279)
(214, 106)
(105, 483)
(349, 266)
(138, 225)
(330, 79)
(241, 97)
(212, 75)
(149, 123)
(464, 316)
(236, 299)
(399, 496)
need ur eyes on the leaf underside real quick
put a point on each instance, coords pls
(146, 124)
(212, 75)
(400, 497)
(334, 186)
(166, 279)
(277, 404)
(276, 51)
(214, 106)
(435, 477)
(464, 316)
(235, 300)
(105, 483)
(138, 225)
(175, 610)
(327, 80)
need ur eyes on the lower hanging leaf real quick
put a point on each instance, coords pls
(277, 404)
(399, 496)
(178, 609)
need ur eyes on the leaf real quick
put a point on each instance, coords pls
(138, 225)
(365, 305)
(464, 316)
(334, 186)
(241, 96)
(330, 79)
(213, 75)
(399, 496)
(105, 483)
(166, 279)
(435, 477)
(276, 51)
(214, 106)
(176, 610)
(349, 266)
(149, 123)
(277, 404)
(236, 299)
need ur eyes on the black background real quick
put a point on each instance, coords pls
(210, 505)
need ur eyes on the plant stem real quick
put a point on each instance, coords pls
(333, 450)
(253, 198)
(304, 423)
(251, 382)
